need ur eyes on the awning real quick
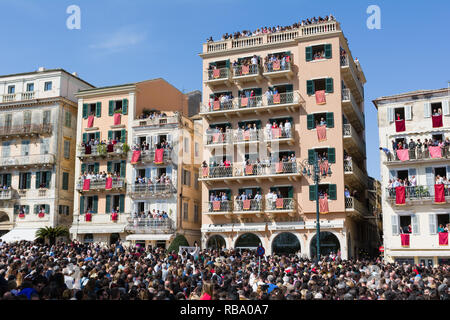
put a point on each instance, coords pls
(18, 234)
(148, 237)
(97, 229)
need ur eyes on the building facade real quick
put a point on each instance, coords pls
(412, 214)
(38, 122)
(300, 79)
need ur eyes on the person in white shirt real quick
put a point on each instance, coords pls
(287, 128)
(396, 184)
(413, 181)
(254, 60)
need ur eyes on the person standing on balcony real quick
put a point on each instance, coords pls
(387, 152)
(287, 128)
(412, 148)
(347, 192)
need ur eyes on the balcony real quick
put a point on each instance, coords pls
(152, 191)
(25, 131)
(258, 172)
(285, 72)
(148, 157)
(288, 102)
(272, 137)
(242, 74)
(101, 150)
(353, 143)
(218, 139)
(351, 78)
(149, 225)
(157, 122)
(416, 156)
(280, 205)
(100, 185)
(248, 207)
(218, 208)
(6, 194)
(355, 207)
(30, 161)
(353, 175)
(23, 96)
(416, 195)
(248, 136)
(218, 77)
(352, 111)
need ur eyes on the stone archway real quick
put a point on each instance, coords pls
(329, 242)
(216, 242)
(4, 217)
(285, 243)
(247, 240)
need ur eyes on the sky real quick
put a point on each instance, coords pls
(128, 41)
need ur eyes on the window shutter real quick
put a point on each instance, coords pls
(328, 52)
(291, 193)
(8, 180)
(228, 63)
(311, 156)
(123, 136)
(36, 209)
(38, 179)
(330, 120)
(16, 209)
(392, 174)
(312, 193)
(415, 224)
(83, 168)
(48, 178)
(448, 172)
(28, 177)
(98, 109)
(390, 114)
(123, 167)
(26, 209)
(65, 182)
(408, 112)
(332, 191)
(95, 204)
(81, 204)
(432, 223)
(96, 167)
(85, 110)
(331, 155)
(125, 106)
(111, 108)
(308, 53)
(430, 180)
(309, 87)
(85, 137)
(108, 204)
(97, 135)
(427, 110)
(109, 166)
(169, 172)
(445, 108)
(310, 121)
(122, 203)
(110, 135)
(289, 87)
(47, 208)
(329, 85)
(394, 223)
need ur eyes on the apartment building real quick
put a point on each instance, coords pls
(314, 82)
(38, 131)
(414, 211)
(121, 118)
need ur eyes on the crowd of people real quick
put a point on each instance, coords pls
(155, 214)
(145, 147)
(152, 115)
(110, 145)
(417, 149)
(98, 176)
(162, 180)
(281, 61)
(265, 30)
(76, 271)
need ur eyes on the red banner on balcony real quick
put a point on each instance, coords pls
(88, 217)
(276, 65)
(216, 73)
(244, 102)
(159, 156)
(435, 152)
(216, 137)
(114, 216)
(400, 125)
(216, 205)
(323, 166)
(246, 205)
(108, 185)
(279, 203)
(322, 133)
(320, 97)
(276, 98)
(443, 238)
(41, 214)
(249, 169)
(87, 149)
(205, 172)
(216, 105)
(86, 184)
(117, 118)
(403, 154)
(405, 239)
(276, 133)
(439, 193)
(136, 156)
(246, 135)
(90, 121)
(110, 147)
(21, 215)
(437, 121)
(323, 205)
(245, 70)
(400, 195)
(279, 167)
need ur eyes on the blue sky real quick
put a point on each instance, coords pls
(126, 41)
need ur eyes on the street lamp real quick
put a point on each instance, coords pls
(313, 169)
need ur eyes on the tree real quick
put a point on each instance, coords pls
(51, 233)
(179, 240)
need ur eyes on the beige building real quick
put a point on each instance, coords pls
(312, 60)
(38, 132)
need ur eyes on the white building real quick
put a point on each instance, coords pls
(417, 121)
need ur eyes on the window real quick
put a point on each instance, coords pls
(196, 213)
(45, 146)
(11, 89)
(118, 135)
(186, 177)
(27, 118)
(319, 84)
(118, 106)
(48, 86)
(186, 145)
(115, 202)
(92, 109)
(328, 153)
(196, 181)
(185, 211)
(30, 87)
(46, 117)
(196, 149)
(5, 179)
(63, 210)
(6, 149)
(8, 120)
(24, 180)
(43, 179)
(315, 119)
(65, 181)
(318, 52)
(66, 149)
(68, 119)
(25, 147)
(88, 204)
(329, 189)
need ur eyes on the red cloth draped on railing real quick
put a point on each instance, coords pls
(276, 65)
(323, 165)
(110, 147)
(443, 238)
(205, 172)
(435, 152)
(276, 98)
(159, 154)
(216, 205)
(244, 102)
(90, 121)
(216, 105)
(437, 121)
(114, 216)
(279, 203)
(276, 133)
(400, 125)
(88, 217)
(216, 137)
(136, 156)
(323, 205)
(108, 185)
(279, 167)
(320, 97)
(439, 193)
(321, 133)
(288, 58)
(405, 239)
(117, 118)
(87, 149)
(245, 70)
(246, 205)
(400, 195)
(216, 73)
(21, 215)
(41, 214)
(403, 154)
(246, 135)
(249, 169)
(86, 184)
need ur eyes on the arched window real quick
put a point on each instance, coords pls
(285, 243)
(328, 243)
(247, 240)
(216, 242)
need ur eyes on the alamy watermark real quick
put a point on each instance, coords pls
(374, 20)
(74, 20)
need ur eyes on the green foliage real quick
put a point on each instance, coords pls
(118, 111)
(101, 149)
(52, 233)
(179, 240)
(125, 148)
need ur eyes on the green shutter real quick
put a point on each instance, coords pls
(111, 107)
(36, 209)
(332, 191)
(328, 51)
(309, 87)
(26, 209)
(109, 167)
(125, 106)
(228, 63)
(96, 167)
(85, 110)
(81, 204)
(95, 204)
(48, 178)
(123, 136)
(110, 135)
(329, 85)
(97, 135)
(38, 179)
(65, 182)
(28, 177)
(330, 120)
(312, 193)
(85, 137)
(122, 203)
(16, 209)
(83, 168)
(98, 109)
(309, 55)
(310, 121)
(8, 179)
(311, 156)
(123, 167)
(291, 193)
(331, 155)
(47, 208)
(289, 87)
(108, 204)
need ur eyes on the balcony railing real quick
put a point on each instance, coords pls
(280, 204)
(422, 192)
(158, 121)
(248, 135)
(219, 138)
(9, 97)
(417, 154)
(345, 62)
(149, 225)
(218, 74)
(31, 160)
(151, 190)
(350, 132)
(100, 150)
(352, 204)
(117, 183)
(240, 71)
(352, 168)
(148, 156)
(248, 205)
(6, 194)
(269, 68)
(29, 95)
(347, 96)
(218, 206)
(25, 130)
